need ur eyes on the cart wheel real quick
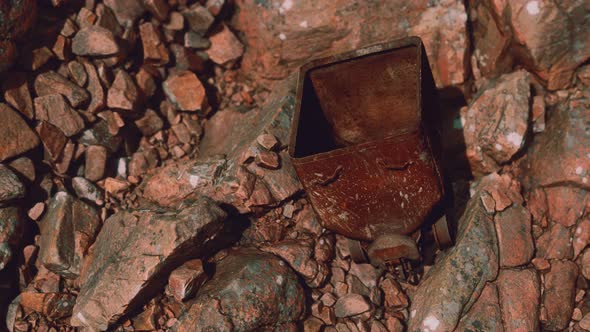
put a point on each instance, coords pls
(392, 248)
(442, 233)
(357, 252)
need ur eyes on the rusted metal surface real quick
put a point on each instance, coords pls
(360, 140)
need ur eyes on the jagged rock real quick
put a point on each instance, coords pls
(515, 240)
(50, 83)
(11, 228)
(251, 290)
(132, 253)
(55, 110)
(299, 31)
(555, 243)
(558, 295)
(496, 122)
(10, 185)
(453, 285)
(68, 228)
(560, 154)
(520, 296)
(351, 305)
(484, 315)
(16, 137)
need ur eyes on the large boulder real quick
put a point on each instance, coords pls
(133, 253)
(250, 291)
(282, 35)
(455, 282)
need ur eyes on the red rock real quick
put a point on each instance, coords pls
(176, 22)
(154, 51)
(267, 159)
(555, 243)
(225, 48)
(554, 157)
(127, 11)
(107, 20)
(97, 95)
(96, 158)
(185, 91)
(123, 93)
(196, 41)
(313, 324)
(62, 48)
(351, 305)
(505, 104)
(11, 231)
(67, 231)
(145, 82)
(158, 8)
(53, 139)
(581, 236)
(215, 6)
(291, 36)
(185, 281)
(566, 204)
(50, 83)
(115, 187)
(199, 19)
(541, 264)
(77, 73)
(24, 167)
(149, 123)
(585, 263)
(11, 187)
(185, 59)
(146, 320)
(538, 114)
(515, 241)
(395, 298)
(36, 211)
(299, 255)
(55, 110)
(15, 135)
(267, 141)
(17, 94)
(94, 41)
(559, 293)
(85, 18)
(132, 250)
(265, 296)
(519, 292)
(485, 315)
(52, 305)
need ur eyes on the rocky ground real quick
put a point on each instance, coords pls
(145, 183)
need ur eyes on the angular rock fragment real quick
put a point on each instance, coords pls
(133, 250)
(15, 135)
(158, 8)
(566, 204)
(566, 142)
(18, 95)
(51, 305)
(123, 94)
(495, 124)
(97, 95)
(98, 134)
(559, 293)
(68, 228)
(185, 281)
(484, 315)
(55, 110)
(299, 255)
(351, 305)
(53, 139)
(24, 167)
(96, 159)
(195, 40)
(199, 19)
(250, 290)
(555, 243)
(11, 228)
(94, 41)
(225, 48)
(520, 296)
(150, 123)
(11, 186)
(77, 73)
(454, 283)
(86, 189)
(154, 51)
(515, 240)
(126, 11)
(50, 83)
(290, 37)
(185, 91)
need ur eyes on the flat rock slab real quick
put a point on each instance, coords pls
(453, 285)
(133, 253)
(250, 291)
(519, 292)
(16, 137)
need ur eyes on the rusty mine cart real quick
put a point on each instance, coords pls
(362, 146)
